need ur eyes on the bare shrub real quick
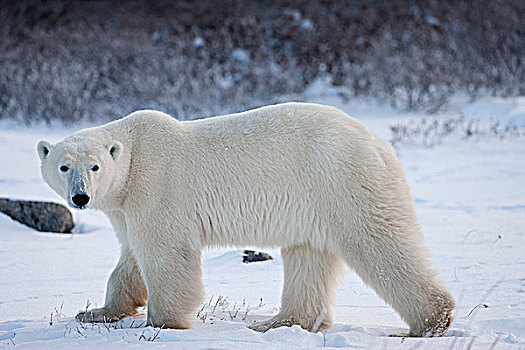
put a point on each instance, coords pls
(75, 60)
(432, 131)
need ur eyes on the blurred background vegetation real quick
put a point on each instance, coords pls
(100, 60)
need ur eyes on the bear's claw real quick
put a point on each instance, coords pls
(264, 326)
(102, 315)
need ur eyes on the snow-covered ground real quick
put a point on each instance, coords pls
(469, 193)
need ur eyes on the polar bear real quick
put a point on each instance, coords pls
(305, 177)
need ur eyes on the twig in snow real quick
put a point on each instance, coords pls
(491, 289)
(156, 334)
(468, 234)
(79, 332)
(494, 343)
(475, 307)
(218, 299)
(246, 313)
(61, 306)
(201, 310)
(105, 324)
(11, 339)
(471, 343)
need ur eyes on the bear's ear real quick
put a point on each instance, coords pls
(43, 149)
(115, 149)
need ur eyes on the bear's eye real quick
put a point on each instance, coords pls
(95, 168)
(64, 168)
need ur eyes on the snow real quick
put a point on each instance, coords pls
(469, 195)
(241, 55)
(198, 42)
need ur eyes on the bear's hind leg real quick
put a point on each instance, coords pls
(310, 283)
(125, 292)
(396, 266)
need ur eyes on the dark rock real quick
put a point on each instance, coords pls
(42, 216)
(251, 256)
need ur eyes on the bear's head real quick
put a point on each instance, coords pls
(83, 170)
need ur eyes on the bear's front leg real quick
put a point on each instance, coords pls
(125, 292)
(173, 276)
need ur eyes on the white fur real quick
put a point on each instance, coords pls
(305, 177)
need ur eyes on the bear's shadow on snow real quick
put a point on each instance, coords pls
(12, 325)
(83, 228)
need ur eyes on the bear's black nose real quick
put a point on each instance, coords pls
(80, 199)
